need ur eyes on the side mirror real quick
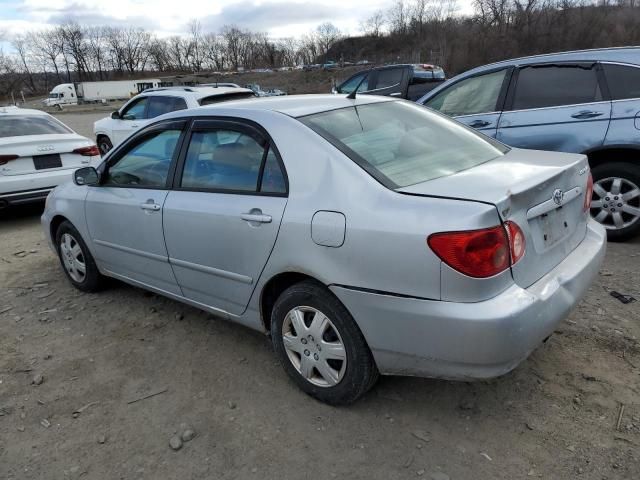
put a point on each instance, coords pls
(115, 115)
(86, 176)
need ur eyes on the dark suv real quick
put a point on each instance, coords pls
(403, 81)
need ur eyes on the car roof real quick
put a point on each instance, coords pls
(293, 105)
(194, 92)
(13, 110)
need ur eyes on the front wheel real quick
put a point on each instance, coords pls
(104, 145)
(76, 259)
(320, 345)
(616, 199)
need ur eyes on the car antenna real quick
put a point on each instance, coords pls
(352, 95)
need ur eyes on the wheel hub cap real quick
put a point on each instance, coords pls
(314, 346)
(615, 203)
(72, 258)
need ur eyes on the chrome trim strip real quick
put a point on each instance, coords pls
(549, 205)
(26, 192)
(558, 106)
(212, 271)
(133, 251)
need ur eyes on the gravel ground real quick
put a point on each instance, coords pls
(72, 366)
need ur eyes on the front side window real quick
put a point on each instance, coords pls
(147, 163)
(223, 160)
(401, 143)
(17, 126)
(623, 81)
(351, 84)
(136, 111)
(470, 96)
(389, 77)
(556, 85)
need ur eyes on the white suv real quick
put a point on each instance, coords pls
(142, 108)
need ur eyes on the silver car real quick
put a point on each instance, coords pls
(367, 236)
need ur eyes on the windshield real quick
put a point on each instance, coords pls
(401, 143)
(16, 126)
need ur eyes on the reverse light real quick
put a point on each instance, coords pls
(588, 194)
(91, 151)
(480, 253)
(4, 159)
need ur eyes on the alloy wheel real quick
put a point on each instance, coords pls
(615, 203)
(314, 346)
(73, 258)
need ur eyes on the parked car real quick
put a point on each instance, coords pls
(143, 108)
(220, 85)
(582, 102)
(402, 81)
(37, 152)
(400, 242)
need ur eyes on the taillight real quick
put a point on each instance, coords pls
(4, 159)
(480, 253)
(91, 151)
(588, 194)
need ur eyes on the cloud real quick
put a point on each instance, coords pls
(86, 15)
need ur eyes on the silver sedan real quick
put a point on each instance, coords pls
(367, 236)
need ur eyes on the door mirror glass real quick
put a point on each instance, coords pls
(115, 115)
(86, 176)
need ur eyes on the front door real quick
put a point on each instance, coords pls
(132, 117)
(222, 218)
(475, 101)
(124, 213)
(557, 107)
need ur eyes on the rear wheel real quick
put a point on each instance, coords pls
(76, 259)
(320, 345)
(616, 199)
(104, 144)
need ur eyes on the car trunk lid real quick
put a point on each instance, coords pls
(542, 192)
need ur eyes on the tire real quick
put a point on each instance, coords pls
(73, 252)
(317, 351)
(104, 145)
(609, 205)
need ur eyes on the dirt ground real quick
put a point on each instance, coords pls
(572, 410)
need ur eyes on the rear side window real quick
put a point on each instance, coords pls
(473, 95)
(389, 77)
(556, 85)
(17, 126)
(623, 81)
(161, 105)
(401, 143)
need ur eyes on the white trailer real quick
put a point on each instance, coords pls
(87, 92)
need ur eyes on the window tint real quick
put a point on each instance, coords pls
(147, 163)
(161, 105)
(389, 77)
(222, 160)
(135, 111)
(473, 95)
(554, 85)
(352, 83)
(403, 144)
(623, 81)
(272, 178)
(16, 126)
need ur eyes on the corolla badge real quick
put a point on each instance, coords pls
(45, 148)
(558, 196)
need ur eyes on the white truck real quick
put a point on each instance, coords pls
(87, 92)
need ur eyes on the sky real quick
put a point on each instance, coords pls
(279, 18)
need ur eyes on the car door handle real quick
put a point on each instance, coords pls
(154, 207)
(586, 114)
(134, 125)
(256, 217)
(395, 94)
(479, 123)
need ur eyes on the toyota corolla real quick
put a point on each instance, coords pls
(367, 236)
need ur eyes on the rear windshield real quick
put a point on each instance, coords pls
(401, 143)
(225, 97)
(16, 126)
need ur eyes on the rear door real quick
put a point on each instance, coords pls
(124, 213)
(475, 101)
(222, 218)
(132, 118)
(159, 105)
(558, 107)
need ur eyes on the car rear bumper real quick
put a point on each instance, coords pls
(31, 187)
(464, 341)
(20, 198)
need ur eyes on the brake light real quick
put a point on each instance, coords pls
(4, 159)
(588, 194)
(91, 151)
(480, 253)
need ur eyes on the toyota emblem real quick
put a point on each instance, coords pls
(558, 196)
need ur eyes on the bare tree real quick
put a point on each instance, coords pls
(327, 34)
(374, 24)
